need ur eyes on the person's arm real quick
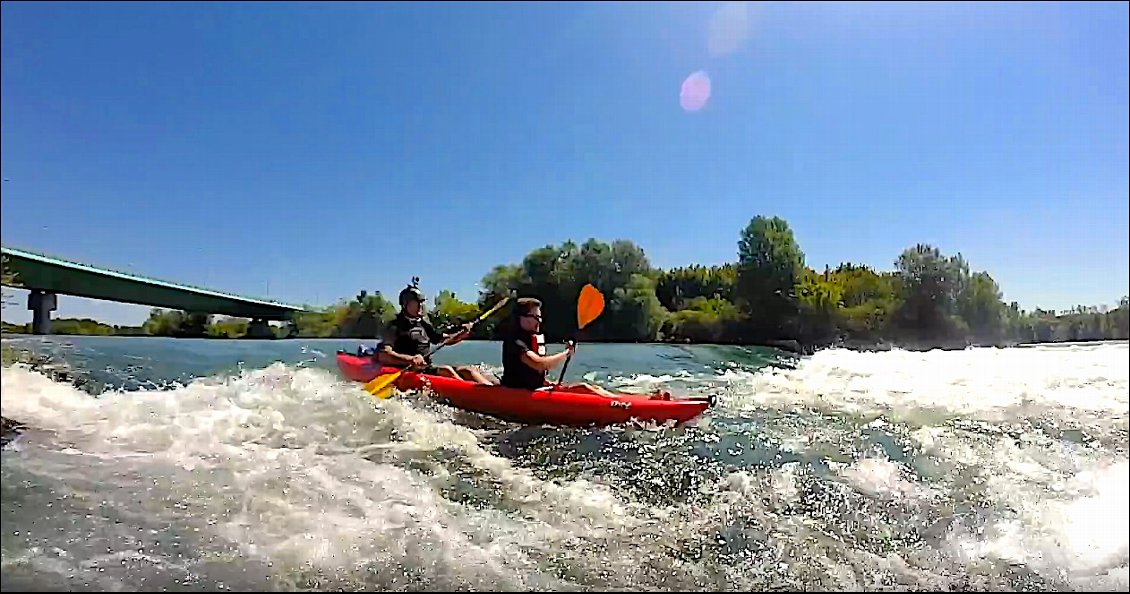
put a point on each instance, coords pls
(452, 338)
(546, 362)
(387, 356)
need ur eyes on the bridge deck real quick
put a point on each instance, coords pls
(65, 277)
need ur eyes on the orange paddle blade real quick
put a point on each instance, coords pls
(589, 306)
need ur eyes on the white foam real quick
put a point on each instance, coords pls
(305, 473)
(1078, 532)
(272, 460)
(987, 383)
(881, 477)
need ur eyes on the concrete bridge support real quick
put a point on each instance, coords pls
(41, 303)
(259, 328)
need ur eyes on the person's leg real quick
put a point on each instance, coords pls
(444, 371)
(588, 389)
(472, 374)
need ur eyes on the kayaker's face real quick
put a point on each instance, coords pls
(531, 320)
(412, 308)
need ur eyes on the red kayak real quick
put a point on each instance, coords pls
(538, 407)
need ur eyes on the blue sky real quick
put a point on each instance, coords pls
(306, 151)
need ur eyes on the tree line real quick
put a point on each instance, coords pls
(768, 295)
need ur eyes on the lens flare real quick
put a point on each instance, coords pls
(695, 91)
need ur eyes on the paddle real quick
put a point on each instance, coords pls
(589, 307)
(381, 386)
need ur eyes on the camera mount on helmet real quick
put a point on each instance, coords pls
(412, 293)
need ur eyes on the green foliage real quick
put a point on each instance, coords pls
(929, 298)
(869, 300)
(930, 284)
(769, 265)
(231, 328)
(450, 312)
(177, 324)
(9, 278)
(820, 300)
(980, 305)
(703, 320)
(678, 286)
(635, 314)
(555, 275)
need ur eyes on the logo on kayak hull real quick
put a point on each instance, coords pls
(620, 404)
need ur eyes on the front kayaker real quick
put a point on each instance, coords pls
(409, 336)
(524, 363)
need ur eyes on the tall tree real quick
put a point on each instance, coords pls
(769, 265)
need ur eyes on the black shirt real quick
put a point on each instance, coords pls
(408, 336)
(515, 373)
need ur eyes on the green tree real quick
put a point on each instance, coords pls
(980, 305)
(176, 323)
(635, 313)
(678, 286)
(229, 328)
(365, 316)
(869, 300)
(930, 284)
(820, 301)
(9, 278)
(555, 275)
(450, 312)
(769, 265)
(703, 320)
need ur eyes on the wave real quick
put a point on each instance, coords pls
(874, 470)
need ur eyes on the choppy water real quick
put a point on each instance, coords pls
(243, 465)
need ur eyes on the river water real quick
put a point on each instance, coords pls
(205, 465)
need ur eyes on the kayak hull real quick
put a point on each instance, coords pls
(538, 407)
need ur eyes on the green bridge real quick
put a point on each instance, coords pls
(47, 277)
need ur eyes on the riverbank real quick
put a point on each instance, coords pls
(789, 345)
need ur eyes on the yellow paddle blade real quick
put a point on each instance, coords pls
(589, 306)
(385, 393)
(382, 383)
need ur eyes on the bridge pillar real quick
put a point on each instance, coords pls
(41, 303)
(259, 328)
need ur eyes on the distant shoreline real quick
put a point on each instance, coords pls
(784, 345)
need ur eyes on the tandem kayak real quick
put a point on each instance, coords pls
(537, 407)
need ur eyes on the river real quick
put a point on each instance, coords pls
(213, 465)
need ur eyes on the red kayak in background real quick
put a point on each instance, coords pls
(537, 407)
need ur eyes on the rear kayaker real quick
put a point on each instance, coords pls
(549, 407)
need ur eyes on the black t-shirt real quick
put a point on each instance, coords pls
(408, 336)
(515, 373)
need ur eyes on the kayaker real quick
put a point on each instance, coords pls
(409, 336)
(524, 362)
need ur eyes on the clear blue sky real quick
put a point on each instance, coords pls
(306, 151)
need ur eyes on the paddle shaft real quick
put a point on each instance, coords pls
(563, 368)
(481, 317)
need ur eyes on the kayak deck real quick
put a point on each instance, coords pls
(549, 406)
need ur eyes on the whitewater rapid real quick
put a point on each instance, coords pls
(978, 469)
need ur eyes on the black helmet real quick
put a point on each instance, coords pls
(412, 292)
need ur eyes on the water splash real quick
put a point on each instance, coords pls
(978, 469)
